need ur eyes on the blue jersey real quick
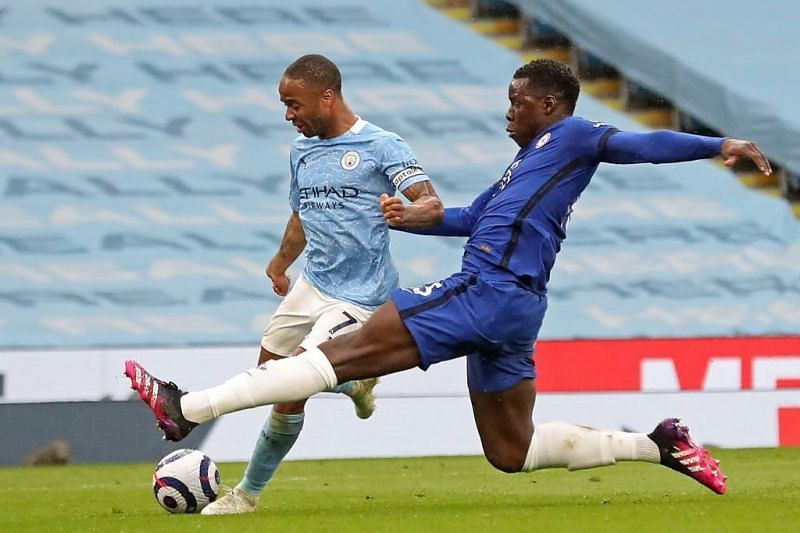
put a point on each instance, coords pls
(335, 187)
(516, 226)
(523, 217)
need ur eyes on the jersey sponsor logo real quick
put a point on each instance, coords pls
(599, 124)
(424, 290)
(323, 191)
(405, 174)
(350, 160)
(507, 175)
(543, 140)
(324, 197)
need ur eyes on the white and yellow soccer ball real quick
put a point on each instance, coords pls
(185, 481)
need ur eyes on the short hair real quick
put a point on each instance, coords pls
(317, 69)
(552, 76)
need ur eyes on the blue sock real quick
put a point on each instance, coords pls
(344, 388)
(279, 434)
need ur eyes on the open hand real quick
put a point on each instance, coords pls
(735, 149)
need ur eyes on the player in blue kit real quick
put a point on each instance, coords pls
(340, 165)
(491, 310)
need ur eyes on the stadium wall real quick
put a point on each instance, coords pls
(719, 386)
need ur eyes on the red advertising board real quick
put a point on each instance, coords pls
(750, 363)
(616, 365)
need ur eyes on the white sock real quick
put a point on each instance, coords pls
(276, 381)
(560, 444)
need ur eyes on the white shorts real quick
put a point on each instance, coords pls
(307, 318)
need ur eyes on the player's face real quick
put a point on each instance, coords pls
(526, 113)
(307, 107)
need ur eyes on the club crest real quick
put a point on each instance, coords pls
(544, 140)
(350, 160)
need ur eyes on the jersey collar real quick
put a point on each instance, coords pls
(358, 126)
(549, 131)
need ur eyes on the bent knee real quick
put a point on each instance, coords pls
(505, 461)
(290, 408)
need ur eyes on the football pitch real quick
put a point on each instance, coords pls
(439, 494)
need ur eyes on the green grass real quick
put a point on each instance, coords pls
(460, 494)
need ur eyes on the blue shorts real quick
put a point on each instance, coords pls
(493, 323)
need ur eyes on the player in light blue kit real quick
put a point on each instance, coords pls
(491, 310)
(340, 166)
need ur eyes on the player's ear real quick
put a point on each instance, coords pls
(327, 97)
(549, 103)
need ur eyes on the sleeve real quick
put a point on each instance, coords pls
(662, 146)
(587, 138)
(399, 164)
(294, 191)
(457, 221)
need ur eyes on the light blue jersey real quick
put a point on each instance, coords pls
(336, 185)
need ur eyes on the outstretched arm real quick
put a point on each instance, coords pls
(294, 240)
(667, 146)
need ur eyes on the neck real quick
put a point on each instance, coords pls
(342, 121)
(552, 120)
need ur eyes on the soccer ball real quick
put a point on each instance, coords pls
(185, 481)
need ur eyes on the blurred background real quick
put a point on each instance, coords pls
(144, 178)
